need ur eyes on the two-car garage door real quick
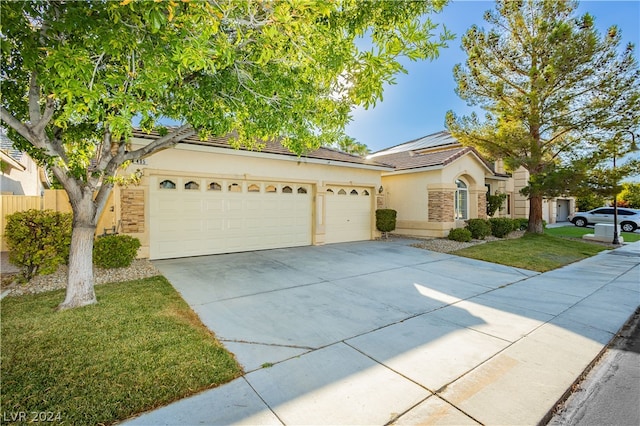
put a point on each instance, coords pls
(198, 216)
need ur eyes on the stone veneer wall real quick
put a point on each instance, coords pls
(440, 205)
(132, 208)
(482, 206)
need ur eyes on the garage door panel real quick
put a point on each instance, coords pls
(348, 217)
(189, 222)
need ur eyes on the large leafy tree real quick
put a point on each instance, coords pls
(558, 95)
(76, 73)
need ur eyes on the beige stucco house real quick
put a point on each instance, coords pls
(19, 173)
(436, 184)
(207, 197)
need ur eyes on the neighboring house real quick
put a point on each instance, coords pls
(19, 173)
(437, 184)
(206, 197)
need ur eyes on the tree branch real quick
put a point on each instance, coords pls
(164, 142)
(49, 109)
(34, 99)
(17, 125)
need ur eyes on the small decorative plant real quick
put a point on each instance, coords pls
(115, 251)
(462, 235)
(386, 220)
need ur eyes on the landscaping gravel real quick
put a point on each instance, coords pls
(444, 245)
(140, 268)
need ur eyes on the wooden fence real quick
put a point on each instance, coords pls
(52, 199)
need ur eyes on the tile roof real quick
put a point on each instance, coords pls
(273, 147)
(411, 160)
(437, 149)
(435, 140)
(6, 145)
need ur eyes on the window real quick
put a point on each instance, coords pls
(302, 190)
(342, 192)
(271, 189)
(354, 192)
(287, 190)
(604, 211)
(461, 200)
(365, 192)
(215, 186)
(253, 188)
(235, 187)
(167, 184)
(191, 185)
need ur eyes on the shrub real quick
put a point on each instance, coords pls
(521, 224)
(502, 226)
(495, 203)
(479, 228)
(38, 240)
(115, 251)
(460, 234)
(386, 220)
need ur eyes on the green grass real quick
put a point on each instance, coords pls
(139, 348)
(534, 252)
(576, 232)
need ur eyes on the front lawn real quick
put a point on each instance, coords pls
(534, 252)
(576, 232)
(139, 348)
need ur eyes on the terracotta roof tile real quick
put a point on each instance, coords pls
(412, 160)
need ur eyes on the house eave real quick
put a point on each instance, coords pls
(414, 170)
(12, 162)
(189, 146)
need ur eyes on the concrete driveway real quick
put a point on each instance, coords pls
(378, 331)
(268, 306)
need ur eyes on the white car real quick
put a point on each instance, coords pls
(628, 219)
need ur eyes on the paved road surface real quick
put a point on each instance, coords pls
(610, 394)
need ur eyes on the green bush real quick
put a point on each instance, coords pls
(479, 228)
(115, 251)
(502, 226)
(495, 202)
(460, 234)
(386, 220)
(38, 240)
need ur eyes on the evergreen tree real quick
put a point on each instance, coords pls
(558, 95)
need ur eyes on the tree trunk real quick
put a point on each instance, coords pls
(80, 291)
(535, 215)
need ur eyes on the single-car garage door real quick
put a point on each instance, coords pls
(348, 214)
(197, 216)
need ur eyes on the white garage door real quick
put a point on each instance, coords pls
(190, 217)
(348, 214)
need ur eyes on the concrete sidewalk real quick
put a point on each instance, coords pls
(378, 332)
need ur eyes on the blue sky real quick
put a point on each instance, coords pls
(416, 105)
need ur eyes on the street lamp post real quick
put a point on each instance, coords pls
(634, 147)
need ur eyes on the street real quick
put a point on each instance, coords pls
(610, 393)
